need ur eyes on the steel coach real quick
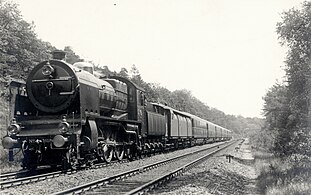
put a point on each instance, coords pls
(70, 116)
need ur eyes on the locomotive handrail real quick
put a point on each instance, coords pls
(60, 79)
(67, 93)
(112, 119)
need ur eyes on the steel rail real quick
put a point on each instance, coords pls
(12, 179)
(100, 182)
(158, 181)
(25, 173)
(12, 175)
(30, 179)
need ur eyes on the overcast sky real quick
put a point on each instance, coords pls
(226, 52)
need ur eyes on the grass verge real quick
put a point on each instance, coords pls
(282, 176)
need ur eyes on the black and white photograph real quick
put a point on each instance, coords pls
(168, 97)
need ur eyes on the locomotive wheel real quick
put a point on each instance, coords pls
(139, 153)
(162, 148)
(148, 149)
(71, 160)
(108, 153)
(119, 152)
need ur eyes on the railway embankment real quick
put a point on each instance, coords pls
(230, 172)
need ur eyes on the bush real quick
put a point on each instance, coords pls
(285, 176)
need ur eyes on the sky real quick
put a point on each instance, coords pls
(226, 52)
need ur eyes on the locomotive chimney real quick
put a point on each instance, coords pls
(59, 55)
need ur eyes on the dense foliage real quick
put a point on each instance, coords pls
(288, 106)
(20, 49)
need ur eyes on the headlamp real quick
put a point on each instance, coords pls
(63, 127)
(47, 69)
(14, 128)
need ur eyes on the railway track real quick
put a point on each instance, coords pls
(29, 179)
(8, 180)
(11, 175)
(22, 177)
(142, 179)
(24, 173)
(12, 179)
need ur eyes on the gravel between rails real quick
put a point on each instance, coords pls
(68, 181)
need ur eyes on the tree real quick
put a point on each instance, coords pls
(123, 73)
(136, 77)
(20, 49)
(287, 108)
(277, 113)
(276, 108)
(104, 70)
(295, 33)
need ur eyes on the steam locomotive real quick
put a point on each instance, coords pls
(68, 115)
